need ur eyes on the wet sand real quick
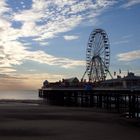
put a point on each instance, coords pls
(36, 121)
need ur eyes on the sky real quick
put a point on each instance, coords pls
(47, 39)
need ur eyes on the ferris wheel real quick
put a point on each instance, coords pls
(97, 56)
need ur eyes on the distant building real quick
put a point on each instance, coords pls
(71, 81)
(45, 83)
(128, 82)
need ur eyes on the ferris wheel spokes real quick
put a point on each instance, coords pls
(97, 56)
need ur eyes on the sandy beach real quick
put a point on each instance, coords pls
(28, 120)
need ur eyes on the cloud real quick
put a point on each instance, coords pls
(5, 70)
(10, 57)
(130, 3)
(129, 36)
(120, 42)
(4, 7)
(49, 18)
(43, 20)
(42, 57)
(129, 56)
(44, 43)
(70, 37)
(123, 40)
(25, 81)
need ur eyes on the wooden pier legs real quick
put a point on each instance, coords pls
(126, 102)
(132, 106)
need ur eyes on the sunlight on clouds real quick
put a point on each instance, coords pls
(40, 21)
(43, 20)
(42, 57)
(13, 53)
(4, 69)
(129, 56)
(26, 81)
(3, 7)
(57, 16)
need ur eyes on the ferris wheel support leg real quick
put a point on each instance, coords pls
(107, 70)
(110, 74)
(83, 75)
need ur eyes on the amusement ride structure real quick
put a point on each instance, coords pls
(97, 56)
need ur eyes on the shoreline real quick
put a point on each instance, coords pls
(39, 101)
(41, 121)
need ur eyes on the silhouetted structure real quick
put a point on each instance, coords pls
(122, 101)
(71, 81)
(128, 82)
(119, 95)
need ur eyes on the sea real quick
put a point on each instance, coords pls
(19, 95)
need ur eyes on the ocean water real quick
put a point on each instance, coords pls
(19, 95)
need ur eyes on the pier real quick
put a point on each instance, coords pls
(124, 101)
